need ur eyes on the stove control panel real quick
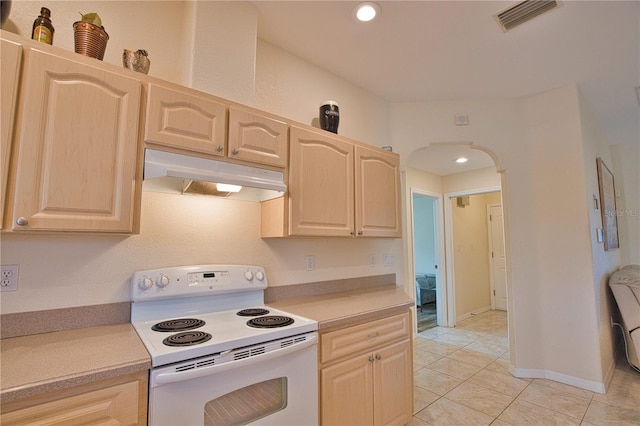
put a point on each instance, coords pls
(187, 281)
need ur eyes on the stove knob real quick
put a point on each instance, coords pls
(163, 281)
(145, 284)
(248, 275)
(260, 275)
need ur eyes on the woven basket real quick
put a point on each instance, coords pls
(90, 40)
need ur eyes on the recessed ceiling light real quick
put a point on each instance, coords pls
(462, 160)
(366, 12)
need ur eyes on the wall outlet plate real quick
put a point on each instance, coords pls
(8, 277)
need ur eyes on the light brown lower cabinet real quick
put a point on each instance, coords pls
(366, 373)
(119, 401)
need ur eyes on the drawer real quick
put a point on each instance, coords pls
(364, 337)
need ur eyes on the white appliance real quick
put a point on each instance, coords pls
(219, 356)
(175, 173)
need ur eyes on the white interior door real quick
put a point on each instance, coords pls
(498, 260)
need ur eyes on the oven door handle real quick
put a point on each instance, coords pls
(163, 378)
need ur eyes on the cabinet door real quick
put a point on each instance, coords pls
(77, 148)
(377, 193)
(347, 392)
(320, 184)
(393, 384)
(185, 119)
(257, 138)
(11, 57)
(116, 405)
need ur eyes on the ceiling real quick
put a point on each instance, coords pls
(455, 50)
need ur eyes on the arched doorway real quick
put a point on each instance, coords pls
(432, 170)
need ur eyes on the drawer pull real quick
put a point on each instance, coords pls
(378, 357)
(371, 358)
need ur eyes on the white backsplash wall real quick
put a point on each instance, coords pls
(59, 271)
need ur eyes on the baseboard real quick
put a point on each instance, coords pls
(525, 373)
(473, 313)
(609, 373)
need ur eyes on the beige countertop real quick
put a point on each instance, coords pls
(348, 307)
(39, 363)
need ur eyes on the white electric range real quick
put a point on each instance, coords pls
(219, 355)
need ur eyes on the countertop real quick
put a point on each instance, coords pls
(333, 310)
(39, 363)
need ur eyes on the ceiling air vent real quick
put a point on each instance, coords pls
(523, 12)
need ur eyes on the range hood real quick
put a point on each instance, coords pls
(179, 173)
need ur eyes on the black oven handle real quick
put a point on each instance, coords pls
(164, 378)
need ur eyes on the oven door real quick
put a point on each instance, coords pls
(271, 384)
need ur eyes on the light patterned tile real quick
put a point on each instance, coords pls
(503, 383)
(524, 413)
(481, 399)
(454, 368)
(434, 381)
(498, 422)
(488, 348)
(417, 422)
(422, 398)
(583, 393)
(438, 347)
(556, 398)
(446, 412)
(423, 357)
(433, 332)
(454, 339)
(621, 394)
(500, 365)
(472, 357)
(599, 413)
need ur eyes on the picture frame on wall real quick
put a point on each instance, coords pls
(608, 209)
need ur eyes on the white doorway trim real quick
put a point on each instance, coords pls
(441, 293)
(448, 232)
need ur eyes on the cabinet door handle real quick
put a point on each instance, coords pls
(22, 221)
(360, 232)
(378, 356)
(372, 335)
(371, 358)
(235, 152)
(220, 148)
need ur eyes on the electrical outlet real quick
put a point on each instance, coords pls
(8, 277)
(372, 260)
(311, 263)
(388, 259)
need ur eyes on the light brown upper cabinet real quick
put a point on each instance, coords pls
(257, 137)
(77, 147)
(11, 60)
(377, 192)
(337, 187)
(185, 119)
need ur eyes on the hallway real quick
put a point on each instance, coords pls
(461, 378)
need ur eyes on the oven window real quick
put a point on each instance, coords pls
(247, 404)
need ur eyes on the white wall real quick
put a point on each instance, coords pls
(157, 27)
(537, 142)
(604, 262)
(59, 271)
(547, 185)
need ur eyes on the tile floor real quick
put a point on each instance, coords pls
(461, 377)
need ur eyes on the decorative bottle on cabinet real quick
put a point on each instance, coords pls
(42, 27)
